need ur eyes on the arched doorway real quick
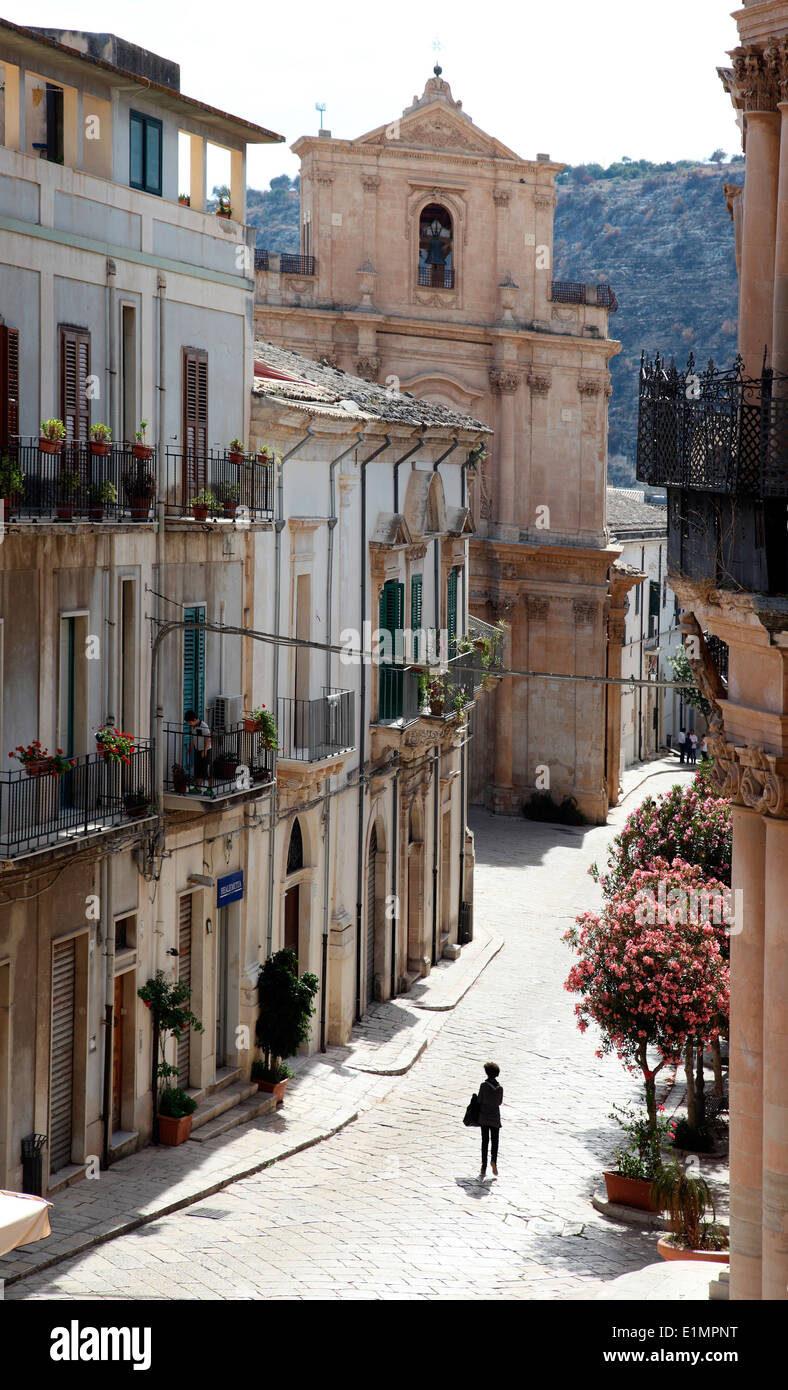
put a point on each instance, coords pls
(436, 247)
(295, 863)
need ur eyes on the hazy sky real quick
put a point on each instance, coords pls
(581, 81)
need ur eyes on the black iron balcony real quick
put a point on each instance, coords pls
(719, 442)
(487, 640)
(41, 809)
(218, 484)
(436, 277)
(576, 292)
(82, 481)
(289, 262)
(310, 730)
(238, 760)
(398, 694)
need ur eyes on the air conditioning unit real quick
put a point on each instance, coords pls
(226, 712)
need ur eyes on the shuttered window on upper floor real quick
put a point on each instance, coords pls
(9, 385)
(74, 373)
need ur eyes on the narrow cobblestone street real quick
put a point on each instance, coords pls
(391, 1207)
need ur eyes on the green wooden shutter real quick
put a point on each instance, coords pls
(391, 611)
(451, 610)
(416, 590)
(194, 662)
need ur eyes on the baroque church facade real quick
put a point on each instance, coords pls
(426, 265)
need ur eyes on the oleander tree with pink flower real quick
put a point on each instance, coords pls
(653, 982)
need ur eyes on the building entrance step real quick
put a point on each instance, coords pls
(211, 1106)
(251, 1108)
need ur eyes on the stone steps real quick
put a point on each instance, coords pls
(248, 1109)
(211, 1106)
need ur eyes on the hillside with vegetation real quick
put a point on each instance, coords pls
(660, 234)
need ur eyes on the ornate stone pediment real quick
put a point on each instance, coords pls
(749, 776)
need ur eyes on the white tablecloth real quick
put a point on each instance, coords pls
(23, 1219)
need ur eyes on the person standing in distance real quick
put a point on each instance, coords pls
(490, 1097)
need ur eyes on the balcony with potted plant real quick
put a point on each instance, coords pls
(12, 485)
(55, 799)
(225, 482)
(239, 762)
(81, 479)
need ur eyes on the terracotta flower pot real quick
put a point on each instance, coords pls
(140, 507)
(200, 513)
(225, 767)
(97, 513)
(668, 1251)
(629, 1192)
(228, 509)
(10, 505)
(173, 1131)
(251, 726)
(65, 513)
(39, 768)
(142, 451)
(99, 448)
(49, 446)
(274, 1088)
(436, 706)
(235, 456)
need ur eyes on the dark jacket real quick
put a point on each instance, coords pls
(490, 1097)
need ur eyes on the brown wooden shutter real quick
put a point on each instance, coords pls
(195, 418)
(9, 385)
(74, 372)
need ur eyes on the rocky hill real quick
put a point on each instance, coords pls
(661, 236)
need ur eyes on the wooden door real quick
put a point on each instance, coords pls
(292, 906)
(61, 1082)
(185, 974)
(195, 421)
(222, 945)
(74, 373)
(117, 1053)
(372, 862)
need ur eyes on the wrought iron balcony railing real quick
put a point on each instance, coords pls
(41, 810)
(289, 262)
(237, 761)
(576, 292)
(436, 277)
(398, 694)
(83, 482)
(214, 483)
(492, 639)
(313, 729)
(714, 430)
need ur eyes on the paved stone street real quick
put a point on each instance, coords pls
(391, 1207)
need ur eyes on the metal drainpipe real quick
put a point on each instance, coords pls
(418, 445)
(332, 522)
(156, 731)
(112, 412)
(436, 791)
(464, 749)
(362, 739)
(278, 528)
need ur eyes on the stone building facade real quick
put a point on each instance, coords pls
(426, 263)
(727, 478)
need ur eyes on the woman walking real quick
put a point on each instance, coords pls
(490, 1097)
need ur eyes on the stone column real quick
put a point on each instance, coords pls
(757, 86)
(780, 310)
(504, 381)
(746, 1054)
(775, 1065)
(539, 382)
(502, 784)
(616, 627)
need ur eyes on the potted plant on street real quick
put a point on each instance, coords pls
(140, 449)
(101, 495)
(100, 440)
(286, 1005)
(139, 485)
(236, 451)
(168, 1002)
(51, 436)
(12, 485)
(639, 1160)
(686, 1199)
(228, 494)
(203, 503)
(67, 485)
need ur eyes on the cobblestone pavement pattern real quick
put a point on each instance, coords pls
(391, 1207)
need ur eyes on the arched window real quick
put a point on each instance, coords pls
(436, 248)
(295, 850)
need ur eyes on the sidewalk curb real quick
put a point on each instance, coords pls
(657, 772)
(167, 1208)
(494, 945)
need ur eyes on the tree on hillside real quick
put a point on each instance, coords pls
(717, 157)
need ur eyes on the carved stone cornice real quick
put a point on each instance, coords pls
(504, 381)
(503, 605)
(540, 379)
(501, 197)
(590, 385)
(415, 552)
(749, 776)
(536, 607)
(754, 80)
(544, 199)
(585, 611)
(324, 176)
(368, 366)
(775, 57)
(370, 182)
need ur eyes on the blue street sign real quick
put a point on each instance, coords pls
(230, 888)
